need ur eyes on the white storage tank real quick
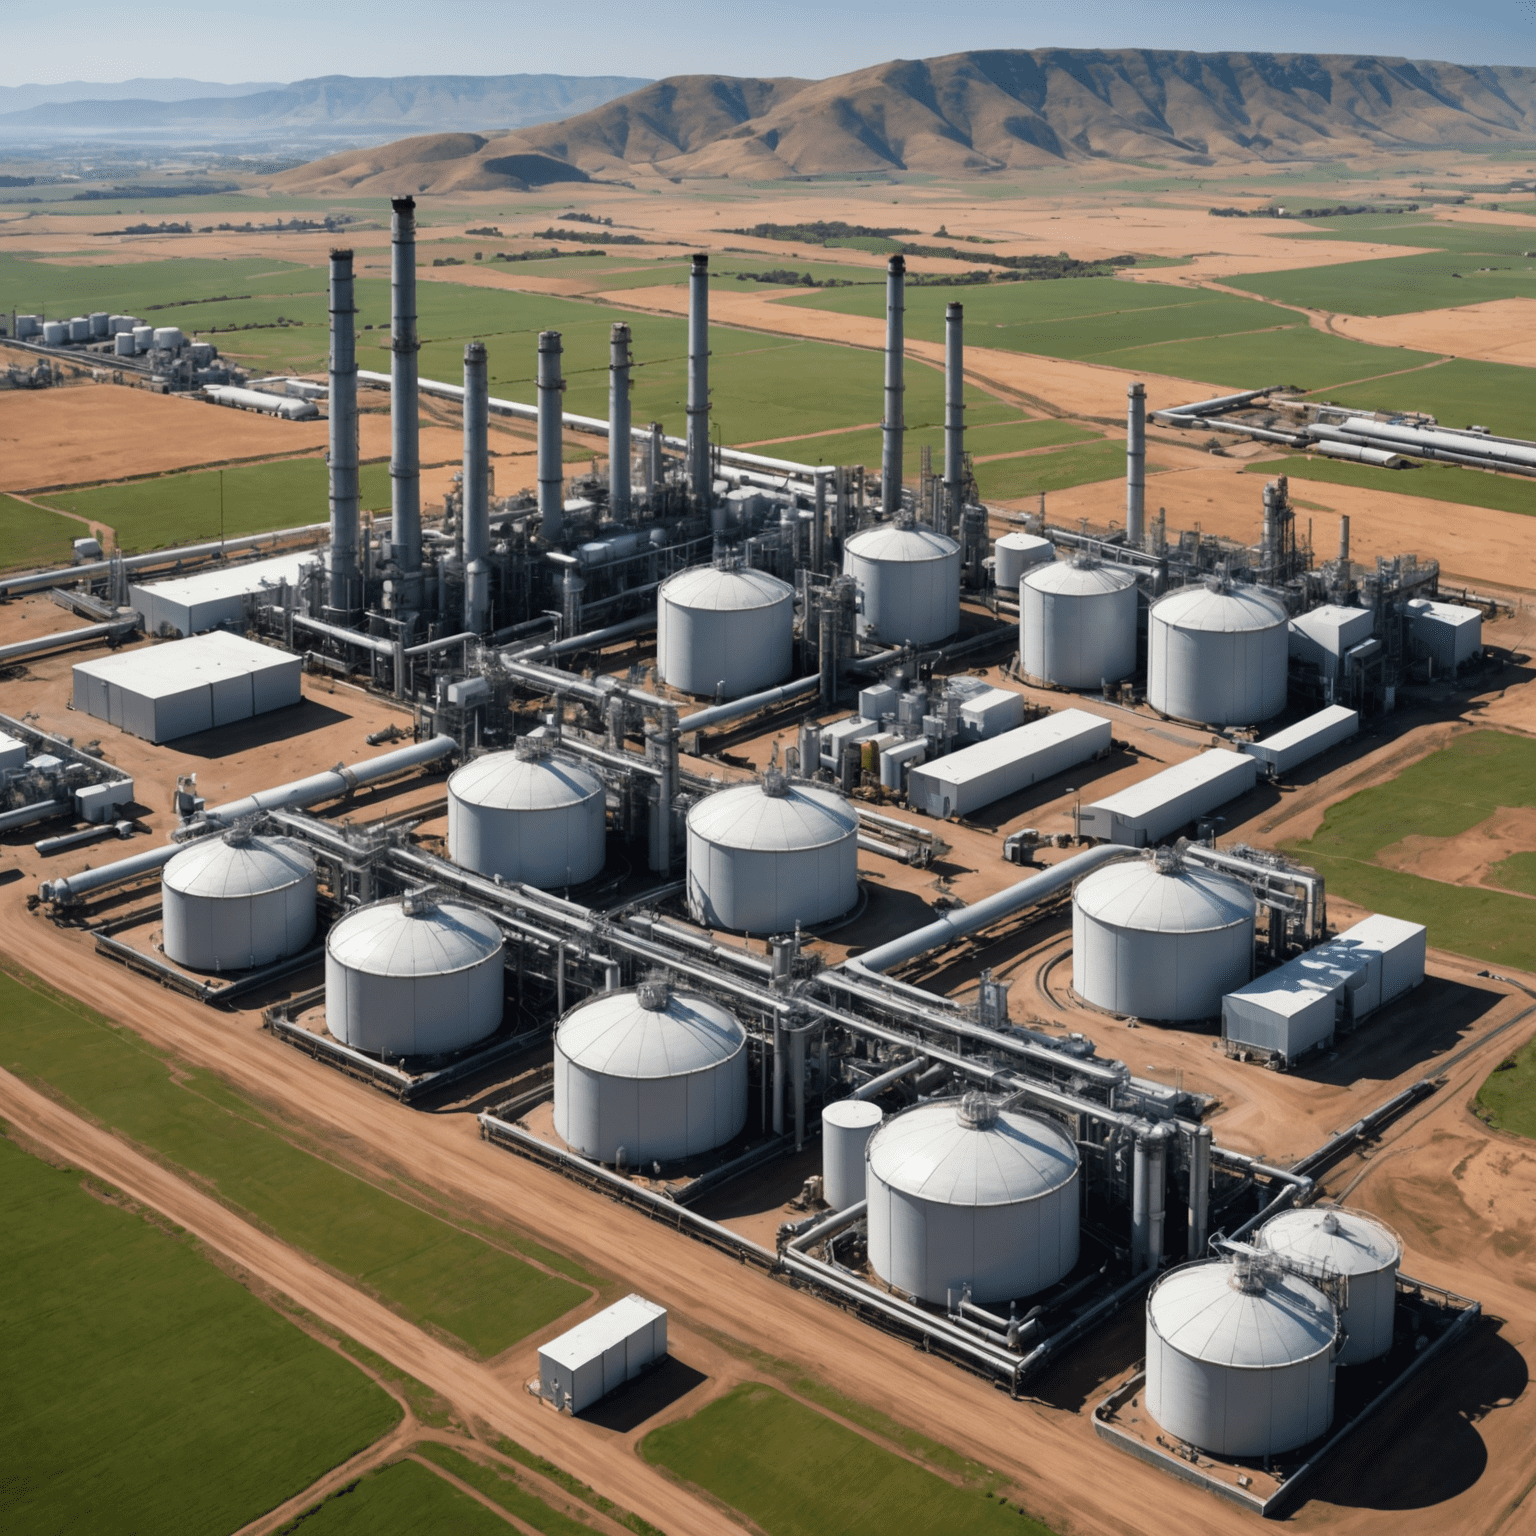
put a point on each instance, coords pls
(143, 337)
(1015, 553)
(1356, 1246)
(413, 977)
(765, 856)
(963, 1193)
(1157, 938)
(237, 901)
(909, 583)
(1240, 1357)
(168, 337)
(1218, 653)
(1077, 623)
(846, 1127)
(55, 333)
(122, 344)
(656, 1073)
(99, 323)
(80, 328)
(528, 816)
(724, 629)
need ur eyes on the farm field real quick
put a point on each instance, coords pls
(1009, 479)
(31, 536)
(794, 1472)
(433, 1272)
(1507, 1099)
(401, 1499)
(500, 1486)
(1399, 286)
(1434, 482)
(1458, 392)
(865, 447)
(133, 1365)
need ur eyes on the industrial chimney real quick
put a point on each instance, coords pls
(1135, 465)
(700, 481)
(954, 413)
(475, 515)
(551, 469)
(404, 415)
(619, 445)
(345, 590)
(893, 427)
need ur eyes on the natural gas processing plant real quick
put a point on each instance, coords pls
(685, 743)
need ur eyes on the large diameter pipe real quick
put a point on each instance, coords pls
(619, 432)
(737, 708)
(345, 583)
(475, 515)
(404, 413)
(954, 410)
(551, 471)
(893, 428)
(1135, 464)
(112, 630)
(700, 481)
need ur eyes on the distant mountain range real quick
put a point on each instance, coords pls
(981, 112)
(14, 98)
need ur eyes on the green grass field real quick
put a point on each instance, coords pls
(502, 1488)
(794, 1472)
(31, 536)
(1518, 872)
(864, 447)
(1435, 482)
(1457, 393)
(1005, 479)
(134, 1369)
(1505, 241)
(427, 1269)
(402, 1499)
(1507, 1099)
(1402, 284)
(1442, 795)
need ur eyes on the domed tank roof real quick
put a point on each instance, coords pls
(1078, 578)
(414, 936)
(1219, 606)
(1346, 1241)
(773, 816)
(238, 864)
(1023, 541)
(726, 588)
(526, 779)
(1162, 895)
(891, 541)
(966, 1152)
(852, 1114)
(1246, 1314)
(650, 1032)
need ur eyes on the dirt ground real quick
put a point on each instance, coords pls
(1501, 331)
(1467, 859)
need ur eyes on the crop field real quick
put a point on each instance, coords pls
(1421, 229)
(1434, 482)
(864, 447)
(500, 1486)
(794, 1472)
(133, 1366)
(1008, 479)
(171, 510)
(163, 289)
(428, 1270)
(1507, 1100)
(1457, 393)
(1441, 796)
(402, 1499)
(31, 536)
(1401, 285)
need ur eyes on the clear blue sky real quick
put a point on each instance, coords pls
(292, 39)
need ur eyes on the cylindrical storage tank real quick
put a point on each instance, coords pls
(80, 328)
(413, 977)
(143, 337)
(1015, 553)
(1077, 623)
(724, 629)
(55, 333)
(1240, 1357)
(99, 323)
(1218, 654)
(763, 857)
(846, 1127)
(529, 817)
(909, 583)
(237, 901)
(658, 1074)
(1157, 938)
(117, 324)
(28, 326)
(168, 337)
(1356, 1246)
(122, 344)
(963, 1193)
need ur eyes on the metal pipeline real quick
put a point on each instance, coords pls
(48, 846)
(375, 643)
(1135, 464)
(620, 435)
(551, 470)
(954, 411)
(893, 427)
(475, 506)
(39, 810)
(719, 714)
(404, 406)
(1311, 884)
(700, 481)
(113, 630)
(590, 640)
(877, 1085)
(345, 591)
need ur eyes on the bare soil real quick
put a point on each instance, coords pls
(1468, 858)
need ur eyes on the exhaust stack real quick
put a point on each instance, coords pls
(954, 412)
(475, 514)
(1136, 465)
(893, 428)
(1344, 539)
(700, 481)
(345, 589)
(551, 471)
(619, 443)
(404, 415)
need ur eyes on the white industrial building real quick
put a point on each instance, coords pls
(975, 776)
(1448, 634)
(161, 692)
(1324, 636)
(1015, 553)
(188, 605)
(587, 1362)
(1306, 739)
(1156, 808)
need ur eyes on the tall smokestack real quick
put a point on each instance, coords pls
(345, 580)
(1135, 465)
(1344, 539)
(551, 471)
(404, 415)
(619, 445)
(954, 412)
(893, 428)
(475, 515)
(700, 481)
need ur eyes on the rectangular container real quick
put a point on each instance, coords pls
(101, 802)
(989, 714)
(190, 605)
(13, 753)
(1448, 633)
(1285, 1013)
(589, 1361)
(1323, 635)
(976, 776)
(835, 737)
(893, 758)
(1159, 806)
(878, 701)
(1401, 945)
(1291, 747)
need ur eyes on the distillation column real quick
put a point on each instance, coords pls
(954, 413)
(892, 429)
(619, 443)
(1135, 465)
(700, 481)
(551, 470)
(475, 513)
(404, 414)
(345, 592)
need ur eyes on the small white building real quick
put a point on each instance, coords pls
(1157, 807)
(1306, 739)
(595, 1357)
(989, 713)
(1323, 635)
(1447, 633)
(189, 605)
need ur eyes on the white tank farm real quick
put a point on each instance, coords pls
(237, 901)
(659, 1073)
(1350, 1244)
(963, 1193)
(413, 977)
(1240, 1357)
(1077, 623)
(528, 816)
(1156, 938)
(725, 629)
(765, 856)
(1015, 553)
(846, 1127)
(1218, 653)
(909, 583)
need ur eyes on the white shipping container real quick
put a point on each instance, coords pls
(1157, 807)
(1401, 945)
(589, 1361)
(894, 759)
(1285, 1013)
(1306, 739)
(192, 604)
(976, 776)
(989, 714)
